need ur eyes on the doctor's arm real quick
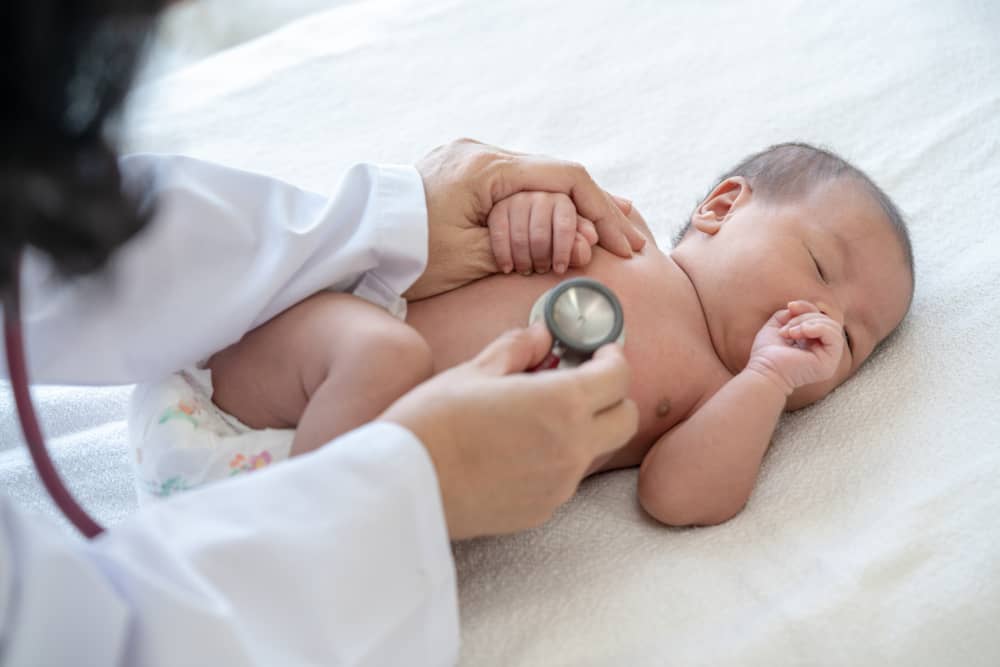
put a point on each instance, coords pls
(226, 251)
(339, 557)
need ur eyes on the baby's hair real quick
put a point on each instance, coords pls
(786, 171)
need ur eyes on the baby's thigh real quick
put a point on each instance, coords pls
(267, 378)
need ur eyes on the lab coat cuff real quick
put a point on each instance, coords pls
(402, 238)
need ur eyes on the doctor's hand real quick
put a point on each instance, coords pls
(464, 180)
(510, 447)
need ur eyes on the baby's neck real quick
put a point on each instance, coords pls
(690, 285)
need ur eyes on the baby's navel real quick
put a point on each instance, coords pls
(663, 408)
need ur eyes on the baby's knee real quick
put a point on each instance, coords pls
(394, 352)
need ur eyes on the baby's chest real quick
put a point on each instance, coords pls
(671, 372)
(673, 364)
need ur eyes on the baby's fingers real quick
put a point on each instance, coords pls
(587, 229)
(564, 233)
(520, 238)
(499, 225)
(540, 232)
(586, 236)
(801, 306)
(825, 330)
(782, 317)
(582, 252)
(794, 319)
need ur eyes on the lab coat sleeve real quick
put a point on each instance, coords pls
(226, 251)
(338, 557)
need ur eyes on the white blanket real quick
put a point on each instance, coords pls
(872, 536)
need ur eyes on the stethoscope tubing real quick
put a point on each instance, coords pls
(17, 369)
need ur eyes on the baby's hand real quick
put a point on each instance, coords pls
(536, 231)
(799, 345)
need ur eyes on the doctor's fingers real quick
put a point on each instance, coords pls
(515, 351)
(612, 428)
(574, 425)
(625, 205)
(621, 238)
(598, 384)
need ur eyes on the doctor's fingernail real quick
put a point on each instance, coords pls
(560, 267)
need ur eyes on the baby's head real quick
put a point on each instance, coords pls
(796, 222)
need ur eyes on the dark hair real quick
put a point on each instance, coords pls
(786, 171)
(65, 67)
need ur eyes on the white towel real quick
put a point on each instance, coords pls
(872, 536)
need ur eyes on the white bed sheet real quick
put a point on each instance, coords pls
(872, 536)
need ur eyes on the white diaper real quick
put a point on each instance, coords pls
(180, 439)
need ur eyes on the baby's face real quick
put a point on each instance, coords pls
(833, 247)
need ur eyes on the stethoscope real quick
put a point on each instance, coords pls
(582, 314)
(17, 368)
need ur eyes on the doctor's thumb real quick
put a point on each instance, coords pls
(515, 351)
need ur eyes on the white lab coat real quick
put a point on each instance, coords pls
(337, 557)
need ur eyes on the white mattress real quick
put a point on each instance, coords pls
(872, 536)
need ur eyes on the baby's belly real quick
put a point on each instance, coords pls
(460, 323)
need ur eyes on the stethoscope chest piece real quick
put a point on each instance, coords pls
(582, 314)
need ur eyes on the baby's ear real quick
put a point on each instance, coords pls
(719, 204)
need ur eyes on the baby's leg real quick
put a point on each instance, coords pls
(325, 366)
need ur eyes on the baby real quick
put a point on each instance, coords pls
(789, 274)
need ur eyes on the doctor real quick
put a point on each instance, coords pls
(338, 557)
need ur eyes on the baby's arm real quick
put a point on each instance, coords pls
(703, 470)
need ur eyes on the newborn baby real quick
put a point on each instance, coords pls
(790, 273)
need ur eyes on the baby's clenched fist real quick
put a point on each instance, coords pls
(798, 345)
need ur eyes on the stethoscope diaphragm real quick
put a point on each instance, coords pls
(582, 314)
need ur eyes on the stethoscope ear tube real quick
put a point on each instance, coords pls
(17, 368)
